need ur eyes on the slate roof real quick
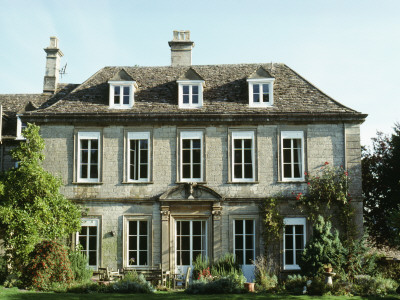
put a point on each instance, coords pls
(225, 94)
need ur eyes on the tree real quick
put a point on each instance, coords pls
(381, 188)
(31, 207)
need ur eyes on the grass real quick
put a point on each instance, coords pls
(16, 294)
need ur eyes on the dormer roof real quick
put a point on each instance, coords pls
(121, 75)
(260, 73)
(191, 74)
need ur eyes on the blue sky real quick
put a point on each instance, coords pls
(348, 49)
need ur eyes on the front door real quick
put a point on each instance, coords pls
(244, 246)
(191, 241)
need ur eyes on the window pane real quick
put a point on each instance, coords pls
(185, 89)
(92, 243)
(143, 156)
(197, 243)
(186, 144)
(84, 171)
(249, 242)
(186, 171)
(196, 156)
(126, 90)
(143, 171)
(92, 258)
(299, 242)
(144, 144)
(186, 156)
(249, 226)
(237, 143)
(299, 229)
(195, 254)
(287, 156)
(296, 143)
(195, 99)
(266, 98)
(265, 89)
(92, 230)
(196, 171)
(288, 229)
(247, 143)
(256, 88)
(116, 90)
(143, 243)
(196, 144)
(287, 171)
(287, 143)
(185, 258)
(288, 241)
(93, 171)
(238, 171)
(84, 156)
(143, 227)
(239, 242)
(84, 144)
(185, 243)
(239, 257)
(239, 226)
(197, 227)
(249, 257)
(126, 100)
(195, 90)
(289, 257)
(256, 98)
(298, 255)
(142, 258)
(185, 99)
(185, 227)
(238, 156)
(94, 144)
(94, 156)
(296, 169)
(247, 156)
(132, 243)
(83, 230)
(116, 99)
(132, 227)
(248, 171)
(82, 241)
(133, 260)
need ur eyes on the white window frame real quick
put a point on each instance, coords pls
(137, 136)
(293, 135)
(20, 128)
(260, 82)
(190, 83)
(121, 84)
(91, 222)
(138, 241)
(244, 238)
(191, 135)
(240, 135)
(293, 221)
(205, 235)
(83, 135)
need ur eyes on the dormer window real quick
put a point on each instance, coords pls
(190, 94)
(190, 90)
(261, 85)
(122, 90)
(20, 128)
(121, 94)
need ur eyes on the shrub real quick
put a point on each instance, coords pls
(388, 269)
(199, 265)
(3, 269)
(323, 248)
(49, 265)
(225, 264)
(365, 285)
(295, 283)
(265, 280)
(230, 284)
(79, 265)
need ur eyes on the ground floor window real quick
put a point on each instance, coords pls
(293, 242)
(138, 243)
(190, 241)
(88, 239)
(244, 241)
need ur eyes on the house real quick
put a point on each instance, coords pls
(173, 162)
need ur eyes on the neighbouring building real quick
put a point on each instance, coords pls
(173, 162)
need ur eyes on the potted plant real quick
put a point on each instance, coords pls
(328, 268)
(249, 286)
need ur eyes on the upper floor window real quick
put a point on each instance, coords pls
(294, 241)
(138, 156)
(243, 167)
(21, 126)
(88, 157)
(261, 92)
(121, 94)
(190, 94)
(292, 153)
(191, 156)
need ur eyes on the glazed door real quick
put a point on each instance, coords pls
(191, 241)
(244, 246)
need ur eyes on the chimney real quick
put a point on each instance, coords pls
(181, 48)
(52, 66)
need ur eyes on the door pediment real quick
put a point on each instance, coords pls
(191, 191)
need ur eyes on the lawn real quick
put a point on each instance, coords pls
(15, 294)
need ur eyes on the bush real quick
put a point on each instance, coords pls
(49, 265)
(365, 285)
(79, 265)
(323, 248)
(199, 265)
(388, 269)
(265, 280)
(230, 284)
(295, 283)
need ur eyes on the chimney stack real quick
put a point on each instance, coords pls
(54, 55)
(181, 48)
